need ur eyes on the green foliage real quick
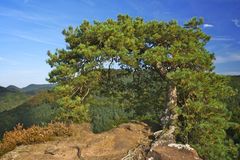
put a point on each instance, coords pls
(106, 114)
(203, 116)
(72, 110)
(146, 95)
(233, 105)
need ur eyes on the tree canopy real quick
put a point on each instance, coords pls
(158, 66)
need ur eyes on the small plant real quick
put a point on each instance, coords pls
(35, 134)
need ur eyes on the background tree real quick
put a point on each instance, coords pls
(203, 116)
(233, 105)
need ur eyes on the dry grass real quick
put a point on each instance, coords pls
(35, 134)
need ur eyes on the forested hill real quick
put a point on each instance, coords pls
(34, 88)
(34, 111)
(12, 96)
(30, 88)
(17, 106)
(235, 81)
(10, 99)
(3, 90)
(234, 108)
(13, 88)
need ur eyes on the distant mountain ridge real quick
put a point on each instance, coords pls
(29, 87)
(12, 96)
(3, 89)
(34, 88)
(13, 88)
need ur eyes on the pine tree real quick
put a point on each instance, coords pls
(194, 100)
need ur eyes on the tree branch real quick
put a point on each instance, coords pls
(85, 95)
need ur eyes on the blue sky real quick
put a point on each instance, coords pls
(28, 28)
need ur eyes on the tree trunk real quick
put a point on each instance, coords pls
(170, 116)
(169, 119)
(172, 104)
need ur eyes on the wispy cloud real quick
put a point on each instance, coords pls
(208, 25)
(236, 22)
(228, 58)
(43, 19)
(222, 38)
(8, 12)
(35, 39)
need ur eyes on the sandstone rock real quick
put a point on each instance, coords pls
(127, 142)
(85, 145)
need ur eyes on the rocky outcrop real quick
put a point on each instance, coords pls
(85, 145)
(127, 142)
(164, 147)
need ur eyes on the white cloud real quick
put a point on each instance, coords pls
(236, 22)
(208, 25)
(221, 38)
(228, 58)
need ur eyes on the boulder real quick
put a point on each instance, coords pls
(173, 151)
